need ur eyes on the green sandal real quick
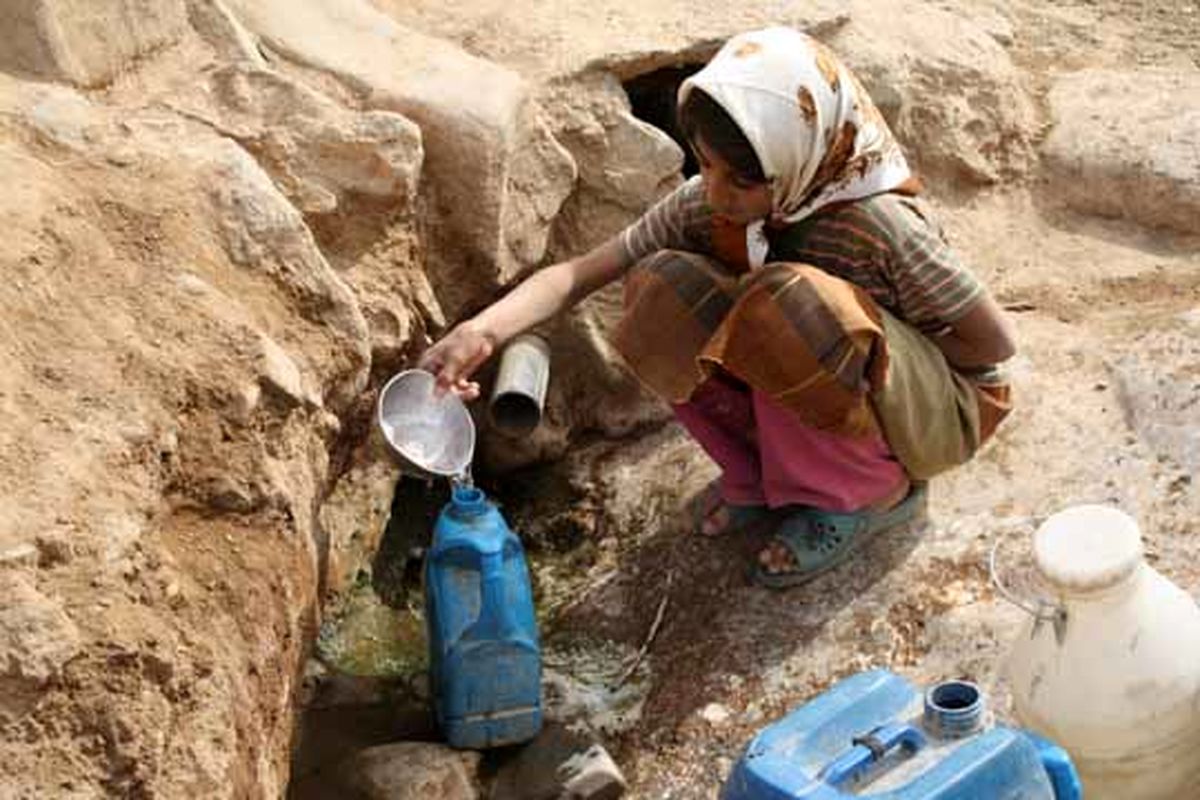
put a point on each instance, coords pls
(821, 540)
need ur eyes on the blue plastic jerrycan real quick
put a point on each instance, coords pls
(485, 661)
(874, 735)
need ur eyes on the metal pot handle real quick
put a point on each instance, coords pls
(1044, 611)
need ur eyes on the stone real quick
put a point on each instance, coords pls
(941, 73)
(263, 232)
(591, 775)
(559, 764)
(549, 42)
(226, 493)
(471, 147)
(950, 92)
(997, 24)
(1127, 144)
(647, 487)
(36, 636)
(213, 20)
(62, 115)
(356, 513)
(542, 176)
(243, 401)
(316, 151)
(317, 156)
(624, 163)
(715, 714)
(168, 271)
(281, 375)
(410, 771)
(1158, 389)
(85, 42)
(18, 556)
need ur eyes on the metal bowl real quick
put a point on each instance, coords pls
(431, 434)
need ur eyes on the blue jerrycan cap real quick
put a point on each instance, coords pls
(468, 501)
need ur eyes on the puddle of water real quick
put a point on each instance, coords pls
(582, 679)
(366, 637)
(586, 687)
(582, 688)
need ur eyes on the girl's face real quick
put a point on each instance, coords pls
(730, 195)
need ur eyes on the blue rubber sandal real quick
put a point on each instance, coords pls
(821, 540)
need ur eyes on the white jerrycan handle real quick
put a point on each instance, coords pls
(1042, 610)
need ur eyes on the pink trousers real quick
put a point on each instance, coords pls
(767, 456)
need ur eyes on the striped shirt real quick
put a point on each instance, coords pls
(886, 244)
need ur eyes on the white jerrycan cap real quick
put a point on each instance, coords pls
(1087, 548)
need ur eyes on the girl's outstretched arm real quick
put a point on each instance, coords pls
(456, 356)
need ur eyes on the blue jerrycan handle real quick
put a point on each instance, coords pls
(870, 749)
(1059, 767)
(496, 617)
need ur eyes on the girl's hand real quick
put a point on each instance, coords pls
(454, 357)
(547, 292)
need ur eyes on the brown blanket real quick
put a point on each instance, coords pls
(818, 345)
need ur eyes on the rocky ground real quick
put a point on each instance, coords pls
(228, 222)
(1100, 303)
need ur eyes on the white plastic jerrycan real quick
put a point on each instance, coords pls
(1111, 669)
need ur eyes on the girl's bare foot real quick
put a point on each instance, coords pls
(713, 517)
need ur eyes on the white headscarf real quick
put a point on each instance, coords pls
(819, 137)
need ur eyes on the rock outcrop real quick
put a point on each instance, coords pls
(1127, 144)
(85, 42)
(227, 222)
(485, 147)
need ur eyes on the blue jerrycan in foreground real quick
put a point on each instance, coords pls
(874, 735)
(485, 662)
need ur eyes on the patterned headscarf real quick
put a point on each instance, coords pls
(819, 137)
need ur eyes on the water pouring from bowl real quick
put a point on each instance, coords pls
(432, 433)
